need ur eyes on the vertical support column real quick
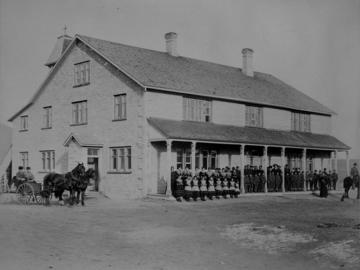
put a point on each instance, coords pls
(168, 159)
(335, 161)
(266, 159)
(283, 169)
(304, 166)
(242, 160)
(322, 163)
(193, 151)
(347, 163)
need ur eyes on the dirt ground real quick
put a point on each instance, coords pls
(251, 232)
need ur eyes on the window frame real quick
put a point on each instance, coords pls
(47, 160)
(300, 121)
(121, 106)
(24, 123)
(82, 73)
(120, 160)
(254, 116)
(78, 113)
(47, 117)
(24, 158)
(197, 109)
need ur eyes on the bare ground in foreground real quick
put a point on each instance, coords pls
(251, 232)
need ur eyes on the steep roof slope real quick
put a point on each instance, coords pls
(159, 70)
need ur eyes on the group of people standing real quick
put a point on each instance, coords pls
(206, 184)
(226, 182)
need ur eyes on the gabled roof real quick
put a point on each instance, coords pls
(84, 140)
(60, 46)
(160, 71)
(201, 131)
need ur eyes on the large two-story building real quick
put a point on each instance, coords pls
(134, 114)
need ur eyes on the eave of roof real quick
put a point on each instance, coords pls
(201, 131)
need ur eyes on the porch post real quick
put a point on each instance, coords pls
(266, 159)
(168, 155)
(322, 163)
(283, 169)
(304, 167)
(347, 163)
(335, 161)
(242, 158)
(193, 151)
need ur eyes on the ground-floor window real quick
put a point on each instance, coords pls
(183, 159)
(120, 159)
(24, 159)
(48, 160)
(207, 159)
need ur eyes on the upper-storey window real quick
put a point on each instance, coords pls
(300, 122)
(82, 73)
(47, 117)
(197, 109)
(120, 107)
(79, 113)
(24, 122)
(254, 116)
(24, 159)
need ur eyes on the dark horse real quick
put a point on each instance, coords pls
(58, 183)
(80, 186)
(348, 183)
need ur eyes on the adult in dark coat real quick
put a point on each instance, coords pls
(323, 186)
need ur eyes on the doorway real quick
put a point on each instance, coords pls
(93, 163)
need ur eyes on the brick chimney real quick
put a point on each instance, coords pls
(248, 69)
(171, 43)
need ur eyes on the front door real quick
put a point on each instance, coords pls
(93, 163)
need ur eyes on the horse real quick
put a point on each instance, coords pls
(80, 186)
(57, 183)
(348, 183)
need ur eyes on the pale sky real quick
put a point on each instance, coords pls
(314, 45)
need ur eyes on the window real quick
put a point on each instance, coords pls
(47, 117)
(197, 109)
(82, 73)
(48, 160)
(24, 159)
(254, 116)
(300, 122)
(79, 113)
(93, 152)
(24, 122)
(183, 159)
(120, 107)
(120, 159)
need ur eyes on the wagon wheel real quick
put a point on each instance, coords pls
(25, 193)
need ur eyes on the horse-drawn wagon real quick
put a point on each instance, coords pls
(76, 181)
(30, 192)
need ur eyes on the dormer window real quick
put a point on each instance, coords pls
(82, 73)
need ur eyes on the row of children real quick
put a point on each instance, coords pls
(205, 184)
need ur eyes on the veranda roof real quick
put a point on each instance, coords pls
(202, 131)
